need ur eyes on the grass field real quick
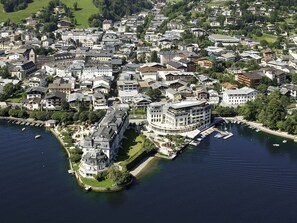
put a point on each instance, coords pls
(94, 183)
(268, 37)
(131, 145)
(86, 7)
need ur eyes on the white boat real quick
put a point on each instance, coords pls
(257, 130)
(218, 135)
(37, 136)
(194, 143)
(87, 188)
(284, 141)
(275, 144)
(23, 129)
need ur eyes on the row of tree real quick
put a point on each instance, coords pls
(60, 116)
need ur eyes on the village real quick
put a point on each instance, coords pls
(163, 74)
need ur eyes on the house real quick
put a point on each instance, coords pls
(172, 94)
(35, 92)
(249, 78)
(65, 88)
(50, 123)
(99, 101)
(272, 73)
(102, 85)
(238, 96)
(78, 100)
(292, 88)
(141, 101)
(53, 100)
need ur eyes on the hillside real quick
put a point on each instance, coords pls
(87, 8)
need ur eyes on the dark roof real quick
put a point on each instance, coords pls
(56, 94)
(41, 90)
(253, 75)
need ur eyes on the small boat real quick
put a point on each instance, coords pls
(37, 136)
(218, 135)
(87, 188)
(284, 141)
(23, 129)
(257, 130)
(225, 129)
(275, 144)
(194, 143)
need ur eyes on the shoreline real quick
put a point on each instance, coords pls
(262, 128)
(143, 166)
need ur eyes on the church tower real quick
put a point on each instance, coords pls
(32, 56)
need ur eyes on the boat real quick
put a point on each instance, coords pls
(218, 135)
(37, 136)
(257, 130)
(275, 144)
(23, 129)
(284, 141)
(225, 129)
(194, 143)
(87, 188)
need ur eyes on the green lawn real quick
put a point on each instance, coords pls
(268, 37)
(132, 145)
(87, 8)
(15, 99)
(217, 3)
(94, 183)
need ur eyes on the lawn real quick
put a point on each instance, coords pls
(86, 7)
(132, 145)
(94, 183)
(268, 37)
(15, 99)
(217, 3)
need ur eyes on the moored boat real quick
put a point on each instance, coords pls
(37, 136)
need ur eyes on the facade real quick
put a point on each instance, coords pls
(100, 150)
(53, 101)
(239, 96)
(181, 117)
(250, 78)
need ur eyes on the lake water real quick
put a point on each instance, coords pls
(241, 179)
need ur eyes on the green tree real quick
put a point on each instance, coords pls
(154, 56)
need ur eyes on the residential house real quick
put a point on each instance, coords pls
(53, 100)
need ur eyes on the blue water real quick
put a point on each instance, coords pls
(242, 179)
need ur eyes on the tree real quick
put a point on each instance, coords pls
(75, 6)
(154, 57)
(119, 177)
(154, 94)
(148, 145)
(4, 73)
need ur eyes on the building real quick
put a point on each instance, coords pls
(176, 118)
(249, 78)
(53, 100)
(239, 96)
(100, 150)
(223, 39)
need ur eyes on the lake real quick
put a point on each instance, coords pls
(241, 179)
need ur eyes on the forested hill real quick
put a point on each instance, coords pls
(116, 9)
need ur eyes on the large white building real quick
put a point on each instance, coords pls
(101, 148)
(239, 96)
(176, 118)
